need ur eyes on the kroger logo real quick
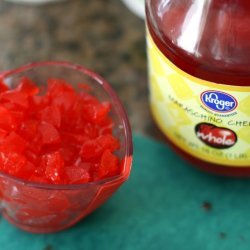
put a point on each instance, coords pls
(218, 101)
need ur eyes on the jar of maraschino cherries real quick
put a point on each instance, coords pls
(199, 70)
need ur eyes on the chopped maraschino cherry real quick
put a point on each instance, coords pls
(58, 135)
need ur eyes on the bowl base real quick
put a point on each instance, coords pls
(40, 229)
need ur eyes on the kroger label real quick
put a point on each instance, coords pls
(218, 101)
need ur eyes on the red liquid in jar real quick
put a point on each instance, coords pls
(208, 40)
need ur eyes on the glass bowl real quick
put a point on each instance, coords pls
(44, 208)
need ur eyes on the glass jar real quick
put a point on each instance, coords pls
(199, 72)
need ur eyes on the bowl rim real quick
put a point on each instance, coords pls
(127, 162)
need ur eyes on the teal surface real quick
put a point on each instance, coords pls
(166, 204)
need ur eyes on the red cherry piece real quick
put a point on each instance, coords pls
(96, 113)
(27, 170)
(32, 157)
(94, 148)
(90, 149)
(18, 116)
(13, 143)
(69, 154)
(57, 86)
(12, 163)
(27, 87)
(73, 138)
(52, 115)
(7, 121)
(90, 130)
(28, 129)
(106, 126)
(14, 97)
(39, 102)
(64, 101)
(77, 175)
(49, 133)
(108, 142)
(38, 179)
(54, 167)
(3, 134)
(109, 164)
(35, 144)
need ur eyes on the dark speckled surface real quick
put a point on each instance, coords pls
(101, 34)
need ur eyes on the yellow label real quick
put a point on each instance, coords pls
(209, 121)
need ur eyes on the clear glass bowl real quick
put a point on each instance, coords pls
(44, 208)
